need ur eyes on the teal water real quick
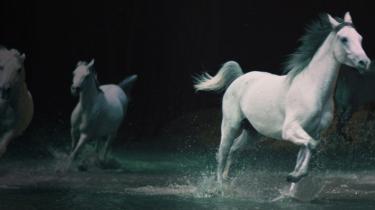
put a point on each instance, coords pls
(165, 180)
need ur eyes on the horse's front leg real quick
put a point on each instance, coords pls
(295, 133)
(83, 138)
(301, 168)
(75, 136)
(5, 140)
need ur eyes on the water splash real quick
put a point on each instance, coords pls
(206, 186)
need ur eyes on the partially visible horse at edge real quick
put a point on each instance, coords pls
(100, 109)
(16, 102)
(352, 92)
(295, 107)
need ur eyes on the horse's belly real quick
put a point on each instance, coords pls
(97, 128)
(269, 127)
(105, 122)
(264, 114)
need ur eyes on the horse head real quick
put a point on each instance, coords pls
(81, 75)
(347, 44)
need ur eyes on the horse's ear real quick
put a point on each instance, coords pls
(333, 22)
(23, 57)
(91, 64)
(348, 18)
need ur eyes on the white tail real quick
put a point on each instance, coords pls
(230, 71)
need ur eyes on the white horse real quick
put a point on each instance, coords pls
(295, 107)
(16, 103)
(100, 109)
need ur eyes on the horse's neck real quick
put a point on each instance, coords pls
(323, 70)
(89, 94)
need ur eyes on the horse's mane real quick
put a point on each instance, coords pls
(314, 37)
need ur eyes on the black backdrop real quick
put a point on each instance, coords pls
(165, 42)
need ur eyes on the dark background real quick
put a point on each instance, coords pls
(165, 42)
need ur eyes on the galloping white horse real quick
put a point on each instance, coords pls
(295, 107)
(100, 109)
(16, 103)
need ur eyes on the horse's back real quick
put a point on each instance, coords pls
(115, 98)
(260, 100)
(114, 93)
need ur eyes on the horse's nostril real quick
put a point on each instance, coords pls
(362, 63)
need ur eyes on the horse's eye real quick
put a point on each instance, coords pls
(344, 40)
(19, 70)
(1, 68)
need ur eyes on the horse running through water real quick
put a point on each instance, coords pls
(295, 107)
(100, 109)
(16, 103)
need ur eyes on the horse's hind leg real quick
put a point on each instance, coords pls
(106, 148)
(239, 142)
(229, 131)
(75, 136)
(248, 133)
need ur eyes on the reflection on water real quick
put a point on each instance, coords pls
(177, 181)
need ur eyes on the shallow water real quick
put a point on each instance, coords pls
(161, 180)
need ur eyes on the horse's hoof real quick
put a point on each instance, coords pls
(292, 177)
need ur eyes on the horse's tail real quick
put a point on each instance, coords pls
(128, 83)
(230, 71)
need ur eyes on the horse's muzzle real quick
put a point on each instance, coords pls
(364, 66)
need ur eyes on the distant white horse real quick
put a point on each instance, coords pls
(295, 107)
(16, 103)
(100, 109)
